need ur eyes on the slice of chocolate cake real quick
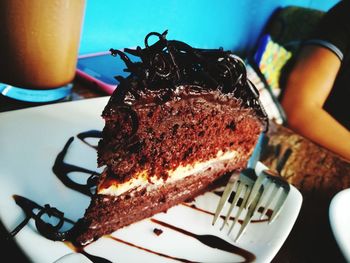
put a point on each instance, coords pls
(180, 121)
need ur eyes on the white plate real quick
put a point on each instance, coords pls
(339, 217)
(30, 140)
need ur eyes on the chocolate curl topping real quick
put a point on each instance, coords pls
(123, 56)
(166, 64)
(160, 36)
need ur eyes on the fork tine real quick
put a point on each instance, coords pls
(258, 183)
(270, 195)
(268, 191)
(251, 210)
(247, 179)
(225, 196)
(280, 184)
(240, 209)
(279, 205)
(234, 202)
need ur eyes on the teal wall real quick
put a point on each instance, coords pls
(231, 24)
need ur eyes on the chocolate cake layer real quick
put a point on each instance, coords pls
(192, 128)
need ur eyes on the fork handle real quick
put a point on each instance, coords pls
(255, 157)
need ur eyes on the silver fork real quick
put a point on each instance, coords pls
(267, 191)
(243, 185)
(275, 188)
(275, 192)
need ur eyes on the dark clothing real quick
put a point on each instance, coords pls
(333, 33)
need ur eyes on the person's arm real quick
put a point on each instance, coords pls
(306, 91)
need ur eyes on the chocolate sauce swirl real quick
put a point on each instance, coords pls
(90, 134)
(62, 169)
(212, 241)
(35, 211)
(149, 250)
(48, 230)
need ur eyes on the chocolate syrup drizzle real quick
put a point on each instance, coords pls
(208, 240)
(90, 134)
(167, 64)
(53, 232)
(62, 169)
(46, 229)
(93, 258)
(211, 241)
(148, 250)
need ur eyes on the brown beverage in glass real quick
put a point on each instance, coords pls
(39, 42)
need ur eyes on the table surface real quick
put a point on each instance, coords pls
(311, 239)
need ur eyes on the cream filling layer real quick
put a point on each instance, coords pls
(141, 179)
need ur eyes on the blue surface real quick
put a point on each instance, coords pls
(231, 24)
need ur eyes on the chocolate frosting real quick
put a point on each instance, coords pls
(168, 64)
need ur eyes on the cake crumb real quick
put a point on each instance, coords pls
(157, 231)
(189, 200)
